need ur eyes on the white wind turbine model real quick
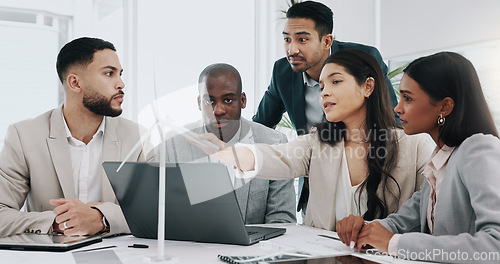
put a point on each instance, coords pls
(159, 123)
(161, 184)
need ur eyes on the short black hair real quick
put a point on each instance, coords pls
(79, 51)
(218, 69)
(321, 14)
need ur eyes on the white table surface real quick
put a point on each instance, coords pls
(296, 237)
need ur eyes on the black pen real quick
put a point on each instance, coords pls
(334, 238)
(138, 246)
(92, 249)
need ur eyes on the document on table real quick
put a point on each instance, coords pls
(313, 244)
(96, 257)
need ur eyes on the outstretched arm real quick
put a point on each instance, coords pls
(240, 157)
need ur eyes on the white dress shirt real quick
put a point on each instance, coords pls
(86, 164)
(313, 107)
(347, 199)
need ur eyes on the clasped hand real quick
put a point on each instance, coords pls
(73, 217)
(353, 232)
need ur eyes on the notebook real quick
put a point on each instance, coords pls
(46, 242)
(200, 203)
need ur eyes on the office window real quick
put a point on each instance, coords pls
(29, 42)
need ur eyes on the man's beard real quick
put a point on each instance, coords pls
(303, 68)
(100, 105)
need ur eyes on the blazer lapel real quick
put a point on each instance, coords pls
(243, 192)
(242, 197)
(195, 153)
(111, 151)
(57, 143)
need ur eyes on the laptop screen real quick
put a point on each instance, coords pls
(200, 203)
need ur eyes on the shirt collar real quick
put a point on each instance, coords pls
(440, 156)
(310, 82)
(68, 132)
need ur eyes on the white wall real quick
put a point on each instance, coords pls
(354, 21)
(410, 27)
(181, 39)
(185, 36)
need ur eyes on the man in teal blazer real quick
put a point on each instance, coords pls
(294, 87)
(286, 92)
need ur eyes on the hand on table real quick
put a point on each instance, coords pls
(76, 218)
(348, 229)
(375, 235)
(353, 231)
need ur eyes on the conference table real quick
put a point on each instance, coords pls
(298, 238)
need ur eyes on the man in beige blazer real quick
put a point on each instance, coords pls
(52, 164)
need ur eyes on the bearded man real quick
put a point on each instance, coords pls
(51, 164)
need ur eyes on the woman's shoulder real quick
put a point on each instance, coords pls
(476, 159)
(318, 138)
(417, 139)
(313, 137)
(420, 145)
(479, 142)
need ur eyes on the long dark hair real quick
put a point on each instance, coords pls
(448, 74)
(381, 124)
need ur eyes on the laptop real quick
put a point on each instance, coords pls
(200, 203)
(46, 242)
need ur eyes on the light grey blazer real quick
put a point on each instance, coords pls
(467, 212)
(261, 201)
(35, 166)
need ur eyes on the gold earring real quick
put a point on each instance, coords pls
(441, 120)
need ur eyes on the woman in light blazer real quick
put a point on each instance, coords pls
(455, 217)
(359, 162)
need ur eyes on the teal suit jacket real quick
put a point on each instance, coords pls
(286, 93)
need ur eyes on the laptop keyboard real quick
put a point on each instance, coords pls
(251, 232)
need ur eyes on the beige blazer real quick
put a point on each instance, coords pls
(35, 167)
(322, 164)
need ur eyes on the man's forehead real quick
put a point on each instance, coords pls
(218, 93)
(294, 25)
(106, 58)
(219, 84)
